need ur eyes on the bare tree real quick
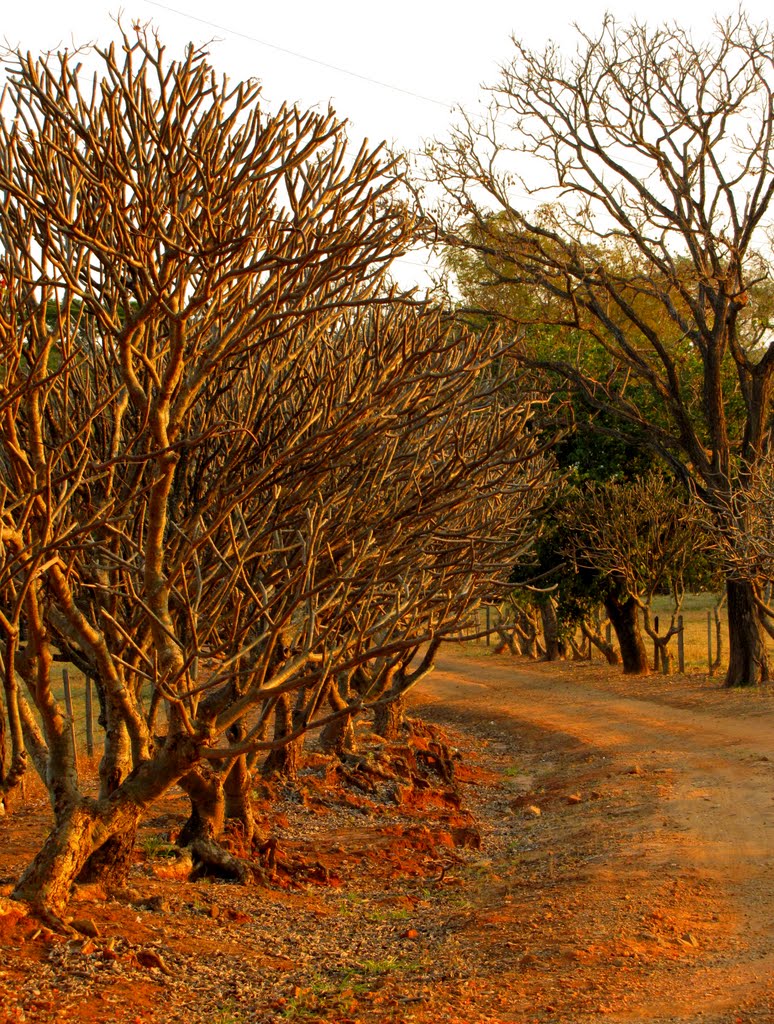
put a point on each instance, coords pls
(745, 538)
(645, 537)
(235, 468)
(650, 258)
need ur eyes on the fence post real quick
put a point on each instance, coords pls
(89, 718)
(655, 644)
(609, 634)
(680, 645)
(709, 642)
(68, 694)
(488, 625)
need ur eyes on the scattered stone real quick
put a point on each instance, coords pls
(533, 811)
(11, 908)
(467, 837)
(522, 800)
(149, 958)
(574, 798)
(179, 869)
(86, 926)
(158, 904)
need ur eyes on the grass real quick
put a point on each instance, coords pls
(340, 991)
(156, 848)
(229, 1013)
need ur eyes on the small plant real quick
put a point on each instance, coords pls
(338, 991)
(229, 1013)
(156, 848)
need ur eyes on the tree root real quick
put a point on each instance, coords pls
(210, 858)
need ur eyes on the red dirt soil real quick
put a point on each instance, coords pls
(605, 853)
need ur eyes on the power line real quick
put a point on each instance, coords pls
(302, 56)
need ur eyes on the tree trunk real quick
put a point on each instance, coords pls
(207, 791)
(747, 659)
(594, 637)
(204, 786)
(110, 862)
(338, 737)
(625, 621)
(550, 630)
(283, 760)
(84, 825)
(47, 882)
(239, 806)
(388, 719)
(237, 788)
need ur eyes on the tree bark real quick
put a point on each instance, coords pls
(338, 737)
(88, 825)
(204, 787)
(550, 625)
(388, 719)
(625, 621)
(283, 760)
(594, 637)
(110, 862)
(238, 805)
(237, 789)
(748, 663)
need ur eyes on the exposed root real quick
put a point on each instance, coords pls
(210, 858)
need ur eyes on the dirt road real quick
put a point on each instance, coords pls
(670, 915)
(602, 850)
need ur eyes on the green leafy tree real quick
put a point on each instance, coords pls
(653, 255)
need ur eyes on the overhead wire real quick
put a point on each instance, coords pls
(301, 56)
(330, 67)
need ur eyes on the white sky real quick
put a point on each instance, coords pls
(438, 49)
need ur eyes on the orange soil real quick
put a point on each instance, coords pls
(620, 867)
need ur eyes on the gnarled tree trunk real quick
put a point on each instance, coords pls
(283, 760)
(237, 789)
(204, 787)
(388, 719)
(748, 663)
(550, 625)
(338, 736)
(625, 621)
(85, 828)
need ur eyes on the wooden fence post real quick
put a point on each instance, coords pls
(89, 718)
(68, 694)
(655, 644)
(680, 645)
(488, 625)
(709, 642)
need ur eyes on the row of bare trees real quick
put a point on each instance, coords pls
(613, 206)
(242, 481)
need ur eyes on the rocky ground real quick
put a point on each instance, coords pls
(559, 844)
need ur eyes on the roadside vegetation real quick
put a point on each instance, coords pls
(249, 489)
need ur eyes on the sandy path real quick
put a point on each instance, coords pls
(708, 822)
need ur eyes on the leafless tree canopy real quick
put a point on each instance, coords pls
(234, 465)
(652, 247)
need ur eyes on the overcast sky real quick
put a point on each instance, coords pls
(437, 51)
